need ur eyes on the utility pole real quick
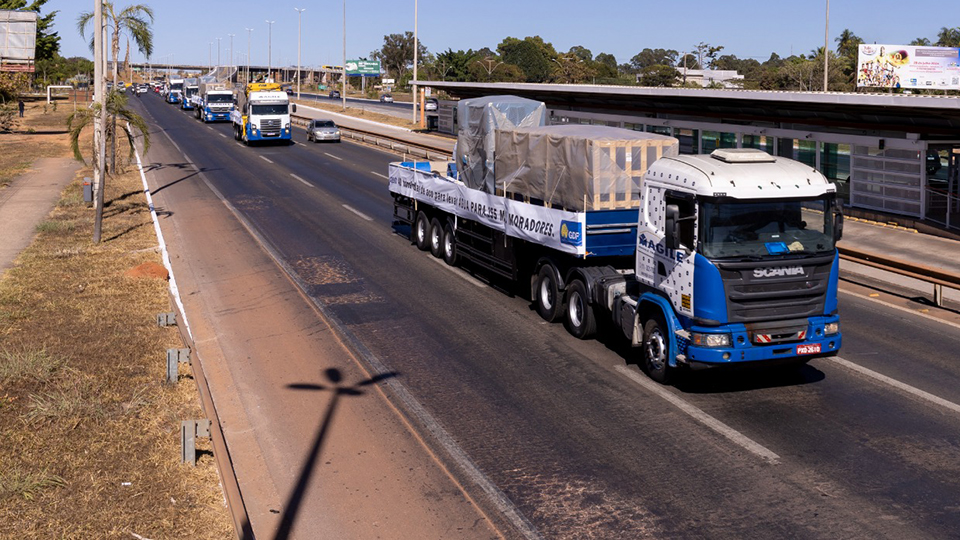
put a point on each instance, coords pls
(100, 119)
(270, 49)
(249, 79)
(826, 48)
(299, 14)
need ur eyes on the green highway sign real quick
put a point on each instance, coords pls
(363, 67)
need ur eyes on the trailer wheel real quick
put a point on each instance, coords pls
(547, 294)
(449, 245)
(436, 238)
(421, 232)
(656, 350)
(580, 319)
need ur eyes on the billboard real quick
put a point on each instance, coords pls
(908, 66)
(18, 40)
(363, 67)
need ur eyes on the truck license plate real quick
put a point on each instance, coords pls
(811, 348)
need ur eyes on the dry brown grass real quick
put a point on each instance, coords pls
(41, 133)
(89, 435)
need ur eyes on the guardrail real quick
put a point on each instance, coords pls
(419, 150)
(934, 276)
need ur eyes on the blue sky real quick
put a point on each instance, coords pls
(184, 29)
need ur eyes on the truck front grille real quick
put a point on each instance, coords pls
(270, 128)
(756, 296)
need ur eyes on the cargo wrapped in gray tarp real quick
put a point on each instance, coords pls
(479, 120)
(579, 167)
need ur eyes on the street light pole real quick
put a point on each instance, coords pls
(343, 68)
(826, 47)
(249, 79)
(230, 65)
(218, 55)
(299, 14)
(415, 51)
(270, 49)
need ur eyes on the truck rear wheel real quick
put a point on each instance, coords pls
(580, 319)
(421, 232)
(656, 350)
(449, 245)
(547, 294)
(436, 238)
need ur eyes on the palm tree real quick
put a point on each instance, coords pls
(848, 44)
(134, 21)
(116, 106)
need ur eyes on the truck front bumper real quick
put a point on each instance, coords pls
(815, 345)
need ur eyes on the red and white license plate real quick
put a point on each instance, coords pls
(809, 348)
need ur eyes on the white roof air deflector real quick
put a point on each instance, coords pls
(742, 155)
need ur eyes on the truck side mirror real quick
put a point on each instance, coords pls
(293, 108)
(672, 227)
(838, 226)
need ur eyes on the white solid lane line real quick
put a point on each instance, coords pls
(265, 159)
(333, 156)
(385, 177)
(301, 179)
(913, 391)
(700, 416)
(222, 135)
(357, 212)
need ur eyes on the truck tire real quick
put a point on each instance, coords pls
(656, 350)
(421, 231)
(436, 238)
(449, 246)
(580, 319)
(547, 294)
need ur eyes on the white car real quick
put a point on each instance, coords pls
(323, 130)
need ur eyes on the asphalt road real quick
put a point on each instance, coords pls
(572, 432)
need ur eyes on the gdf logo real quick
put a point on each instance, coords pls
(570, 233)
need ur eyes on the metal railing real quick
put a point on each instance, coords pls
(934, 276)
(415, 149)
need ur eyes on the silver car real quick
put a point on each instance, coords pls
(322, 130)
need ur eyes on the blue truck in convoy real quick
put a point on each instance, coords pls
(699, 260)
(213, 102)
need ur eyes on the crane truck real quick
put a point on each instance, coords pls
(213, 102)
(262, 114)
(699, 260)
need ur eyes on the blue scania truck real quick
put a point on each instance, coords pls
(700, 261)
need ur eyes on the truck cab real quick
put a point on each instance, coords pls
(189, 94)
(263, 114)
(174, 91)
(737, 251)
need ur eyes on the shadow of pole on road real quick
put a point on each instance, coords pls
(334, 377)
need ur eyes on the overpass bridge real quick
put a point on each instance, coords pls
(308, 75)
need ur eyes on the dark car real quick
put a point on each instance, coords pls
(386, 98)
(322, 130)
(334, 94)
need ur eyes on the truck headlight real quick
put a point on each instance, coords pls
(831, 328)
(710, 340)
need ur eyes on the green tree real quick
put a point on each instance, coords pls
(659, 75)
(606, 66)
(48, 43)
(848, 44)
(652, 57)
(453, 65)
(921, 42)
(948, 37)
(707, 53)
(396, 54)
(581, 52)
(117, 106)
(571, 69)
(531, 54)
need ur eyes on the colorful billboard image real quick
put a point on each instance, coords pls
(908, 66)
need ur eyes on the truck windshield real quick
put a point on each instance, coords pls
(191, 92)
(270, 109)
(220, 98)
(750, 229)
(176, 86)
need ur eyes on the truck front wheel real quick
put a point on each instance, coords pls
(547, 294)
(421, 232)
(656, 350)
(580, 320)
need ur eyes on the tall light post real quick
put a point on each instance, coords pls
(218, 55)
(270, 49)
(826, 47)
(299, 14)
(210, 57)
(415, 51)
(231, 51)
(249, 79)
(343, 67)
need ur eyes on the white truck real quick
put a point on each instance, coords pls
(699, 260)
(190, 89)
(262, 114)
(213, 102)
(174, 91)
